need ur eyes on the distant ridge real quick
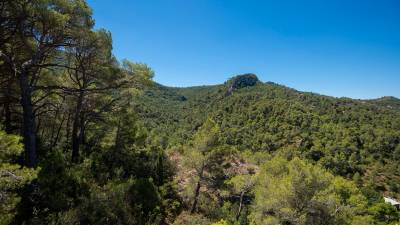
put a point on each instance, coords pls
(388, 102)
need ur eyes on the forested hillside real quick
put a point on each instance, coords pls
(89, 139)
(355, 139)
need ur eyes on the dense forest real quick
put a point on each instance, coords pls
(88, 139)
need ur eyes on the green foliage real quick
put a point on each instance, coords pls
(140, 70)
(221, 222)
(123, 183)
(343, 135)
(131, 202)
(242, 182)
(10, 147)
(203, 159)
(241, 152)
(294, 192)
(384, 213)
(13, 177)
(191, 219)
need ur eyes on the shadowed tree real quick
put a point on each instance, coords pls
(40, 29)
(199, 157)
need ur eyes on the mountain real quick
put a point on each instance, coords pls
(389, 102)
(88, 139)
(348, 137)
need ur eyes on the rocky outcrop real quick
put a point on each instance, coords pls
(241, 81)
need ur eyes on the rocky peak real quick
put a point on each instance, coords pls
(241, 81)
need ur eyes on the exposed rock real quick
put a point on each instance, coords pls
(182, 98)
(241, 81)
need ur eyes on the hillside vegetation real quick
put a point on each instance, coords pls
(88, 139)
(355, 139)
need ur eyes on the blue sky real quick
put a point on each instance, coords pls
(338, 47)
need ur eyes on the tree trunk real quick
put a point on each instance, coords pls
(7, 108)
(53, 127)
(55, 140)
(240, 205)
(68, 129)
(117, 142)
(197, 191)
(29, 126)
(7, 117)
(76, 129)
(160, 168)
